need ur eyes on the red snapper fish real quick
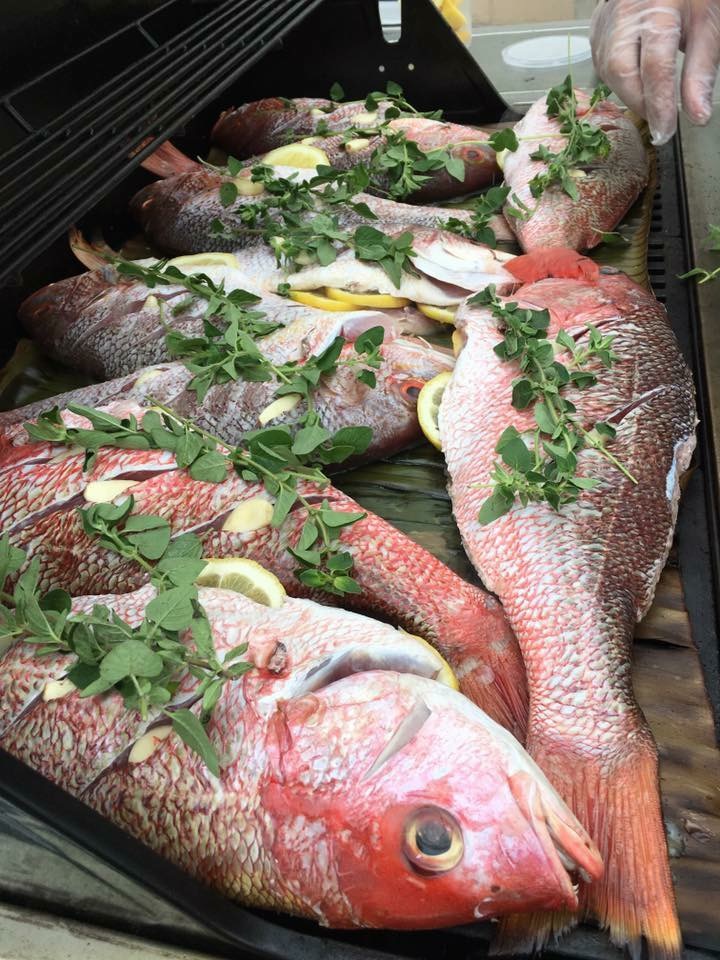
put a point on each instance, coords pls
(574, 582)
(255, 128)
(607, 187)
(178, 211)
(354, 788)
(42, 486)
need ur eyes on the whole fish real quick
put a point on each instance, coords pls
(109, 324)
(607, 187)
(42, 485)
(177, 212)
(262, 125)
(354, 788)
(255, 128)
(574, 582)
(230, 410)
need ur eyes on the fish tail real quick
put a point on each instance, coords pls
(618, 802)
(88, 254)
(168, 161)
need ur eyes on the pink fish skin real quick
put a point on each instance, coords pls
(340, 757)
(41, 489)
(607, 187)
(573, 583)
(177, 211)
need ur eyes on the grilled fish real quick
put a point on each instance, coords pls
(607, 187)
(574, 582)
(354, 789)
(178, 211)
(43, 485)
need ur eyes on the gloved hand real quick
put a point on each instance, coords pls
(635, 45)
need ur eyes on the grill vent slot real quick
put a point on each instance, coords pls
(62, 159)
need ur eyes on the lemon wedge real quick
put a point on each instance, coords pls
(428, 407)
(243, 576)
(302, 156)
(458, 342)
(317, 300)
(198, 261)
(366, 299)
(441, 314)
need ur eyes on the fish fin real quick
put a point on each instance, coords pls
(619, 804)
(168, 161)
(560, 262)
(84, 251)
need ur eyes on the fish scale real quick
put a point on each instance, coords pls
(459, 619)
(284, 828)
(573, 584)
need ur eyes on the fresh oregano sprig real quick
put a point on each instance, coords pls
(584, 144)
(146, 663)
(542, 466)
(713, 244)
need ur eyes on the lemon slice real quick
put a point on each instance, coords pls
(302, 156)
(500, 158)
(441, 314)
(243, 576)
(428, 407)
(198, 261)
(458, 342)
(317, 300)
(366, 299)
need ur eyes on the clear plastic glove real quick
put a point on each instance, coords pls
(635, 44)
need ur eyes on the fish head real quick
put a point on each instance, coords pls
(409, 362)
(418, 809)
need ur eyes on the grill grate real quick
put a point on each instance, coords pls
(57, 167)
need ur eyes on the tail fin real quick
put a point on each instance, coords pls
(88, 254)
(168, 161)
(618, 802)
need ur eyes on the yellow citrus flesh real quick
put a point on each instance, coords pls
(197, 261)
(302, 156)
(322, 303)
(243, 576)
(445, 673)
(366, 299)
(458, 342)
(441, 314)
(428, 407)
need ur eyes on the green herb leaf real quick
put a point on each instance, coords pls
(192, 733)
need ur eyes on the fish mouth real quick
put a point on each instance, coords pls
(570, 852)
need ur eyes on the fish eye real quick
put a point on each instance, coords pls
(411, 388)
(472, 154)
(433, 841)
